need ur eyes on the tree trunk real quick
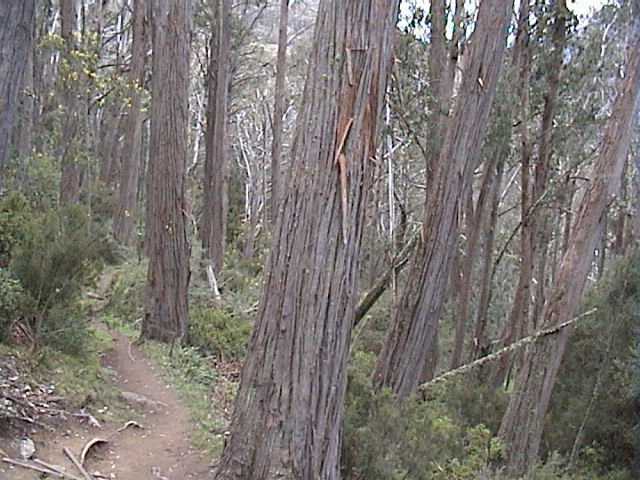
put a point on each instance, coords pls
(124, 225)
(165, 316)
(288, 413)
(522, 425)
(17, 20)
(214, 218)
(401, 362)
(480, 342)
(278, 108)
(71, 176)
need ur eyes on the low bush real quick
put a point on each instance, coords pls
(220, 332)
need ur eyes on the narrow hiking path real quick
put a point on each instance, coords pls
(161, 449)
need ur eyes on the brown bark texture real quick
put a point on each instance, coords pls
(165, 317)
(124, 224)
(289, 409)
(278, 108)
(522, 425)
(214, 215)
(17, 19)
(401, 361)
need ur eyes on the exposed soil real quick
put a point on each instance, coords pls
(161, 450)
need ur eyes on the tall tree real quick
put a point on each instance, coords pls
(402, 359)
(125, 219)
(214, 217)
(278, 107)
(523, 421)
(166, 311)
(71, 176)
(17, 21)
(288, 413)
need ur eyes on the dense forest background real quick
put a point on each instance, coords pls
(401, 235)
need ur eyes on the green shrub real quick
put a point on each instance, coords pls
(126, 301)
(417, 440)
(14, 215)
(58, 254)
(11, 298)
(219, 332)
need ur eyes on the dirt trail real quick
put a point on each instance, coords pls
(162, 450)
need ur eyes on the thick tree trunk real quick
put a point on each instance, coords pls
(17, 20)
(165, 316)
(278, 108)
(288, 414)
(522, 425)
(401, 362)
(124, 224)
(214, 218)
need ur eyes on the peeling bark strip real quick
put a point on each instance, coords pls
(289, 409)
(168, 275)
(401, 362)
(523, 422)
(17, 18)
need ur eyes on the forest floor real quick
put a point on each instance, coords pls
(157, 444)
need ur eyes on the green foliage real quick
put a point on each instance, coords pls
(420, 439)
(11, 297)
(56, 255)
(126, 301)
(219, 332)
(14, 214)
(595, 381)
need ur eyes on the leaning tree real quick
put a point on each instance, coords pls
(289, 409)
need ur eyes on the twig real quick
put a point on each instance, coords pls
(509, 348)
(75, 461)
(56, 469)
(36, 468)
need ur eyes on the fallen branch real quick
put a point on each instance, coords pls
(88, 446)
(56, 469)
(39, 469)
(510, 348)
(130, 423)
(78, 465)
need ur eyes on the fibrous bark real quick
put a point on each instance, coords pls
(125, 219)
(214, 217)
(400, 364)
(165, 316)
(17, 19)
(522, 425)
(278, 108)
(288, 414)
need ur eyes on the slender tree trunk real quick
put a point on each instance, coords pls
(214, 218)
(522, 425)
(475, 221)
(288, 414)
(166, 312)
(124, 225)
(480, 342)
(541, 224)
(278, 108)
(70, 179)
(17, 20)
(401, 362)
